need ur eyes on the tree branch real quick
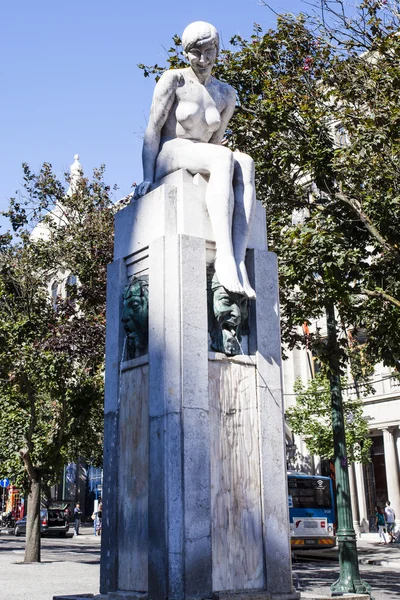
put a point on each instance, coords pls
(373, 230)
(378, 293)
(26, 457)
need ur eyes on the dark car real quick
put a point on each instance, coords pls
(53, 521)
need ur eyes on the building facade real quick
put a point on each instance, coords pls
(372, 484)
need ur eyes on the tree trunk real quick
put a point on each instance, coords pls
(32, 546)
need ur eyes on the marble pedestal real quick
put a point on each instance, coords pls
(194, 489)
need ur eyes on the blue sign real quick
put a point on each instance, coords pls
(4, 483)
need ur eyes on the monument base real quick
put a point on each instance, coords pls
(124, 595)
(234, 595)
(255, 595)
(311, 596)
(195, 484)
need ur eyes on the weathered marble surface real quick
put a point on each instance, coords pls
(133, 488)
(265, 342)
(180, 501)
(238, 561)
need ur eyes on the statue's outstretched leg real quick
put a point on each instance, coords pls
(217, 162)
(245, 200)
(220, 206)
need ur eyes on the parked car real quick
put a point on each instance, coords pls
(52, 521)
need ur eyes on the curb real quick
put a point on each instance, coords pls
(379, 563)
(312, 596)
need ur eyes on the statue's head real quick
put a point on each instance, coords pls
(198, 34)
(135, 315)
(230, 312)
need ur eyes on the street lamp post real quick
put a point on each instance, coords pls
(349, 578)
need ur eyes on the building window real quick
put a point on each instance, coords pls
(54, 294)
(71, 285)
(341, 137)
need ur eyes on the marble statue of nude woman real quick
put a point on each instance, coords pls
(188, 118)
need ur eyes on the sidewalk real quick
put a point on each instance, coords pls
(369, 552)
(72, 566)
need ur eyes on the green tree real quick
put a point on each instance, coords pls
(311, 417)
(52, 349)
(320, 120)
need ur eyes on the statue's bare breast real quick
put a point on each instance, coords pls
(197, 109)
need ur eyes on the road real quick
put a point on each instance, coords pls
(71, 566)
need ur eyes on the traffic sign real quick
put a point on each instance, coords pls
(4, 483)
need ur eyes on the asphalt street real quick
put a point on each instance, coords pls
(71, 566)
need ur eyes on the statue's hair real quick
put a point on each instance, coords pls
(138, 286)
(199, 31)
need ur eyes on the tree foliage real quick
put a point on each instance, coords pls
(52, 348)
(311, 417)
(318, 110)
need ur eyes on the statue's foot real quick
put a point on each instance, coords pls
(225, 268)
(248, 290)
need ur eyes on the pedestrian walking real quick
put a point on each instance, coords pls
(390, 521)
(99, 519)
(77, 518)
(380, 524)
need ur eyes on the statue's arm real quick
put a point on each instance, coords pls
(226, 114)
(163, 99)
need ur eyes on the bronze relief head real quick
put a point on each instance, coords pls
(228, 318)
(135, 316)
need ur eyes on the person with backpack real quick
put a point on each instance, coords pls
(380, 524)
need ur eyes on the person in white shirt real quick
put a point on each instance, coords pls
(390, 520)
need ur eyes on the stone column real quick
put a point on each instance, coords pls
(263, 270)
(354, 499)
(362, 504)
(179, 447)
(116, 280)
(396, 433)
(392, 472)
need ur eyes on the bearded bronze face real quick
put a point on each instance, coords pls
(135, 316)
(228, 314)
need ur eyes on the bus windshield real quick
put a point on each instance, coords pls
(309, 493)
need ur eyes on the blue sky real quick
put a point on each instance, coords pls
(70, 82)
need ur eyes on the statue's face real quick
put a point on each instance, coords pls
(227, 308)
(230, 311)
(202, 57)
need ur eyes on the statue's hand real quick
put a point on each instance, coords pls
(142, 189)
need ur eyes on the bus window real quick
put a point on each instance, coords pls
(309, 493)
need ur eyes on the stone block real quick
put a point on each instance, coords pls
(125, 595)
(75, 597)
(315, 596)
(255, 595)
(176, 205)
(109, 548)
(265, 341)
(116, 280)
